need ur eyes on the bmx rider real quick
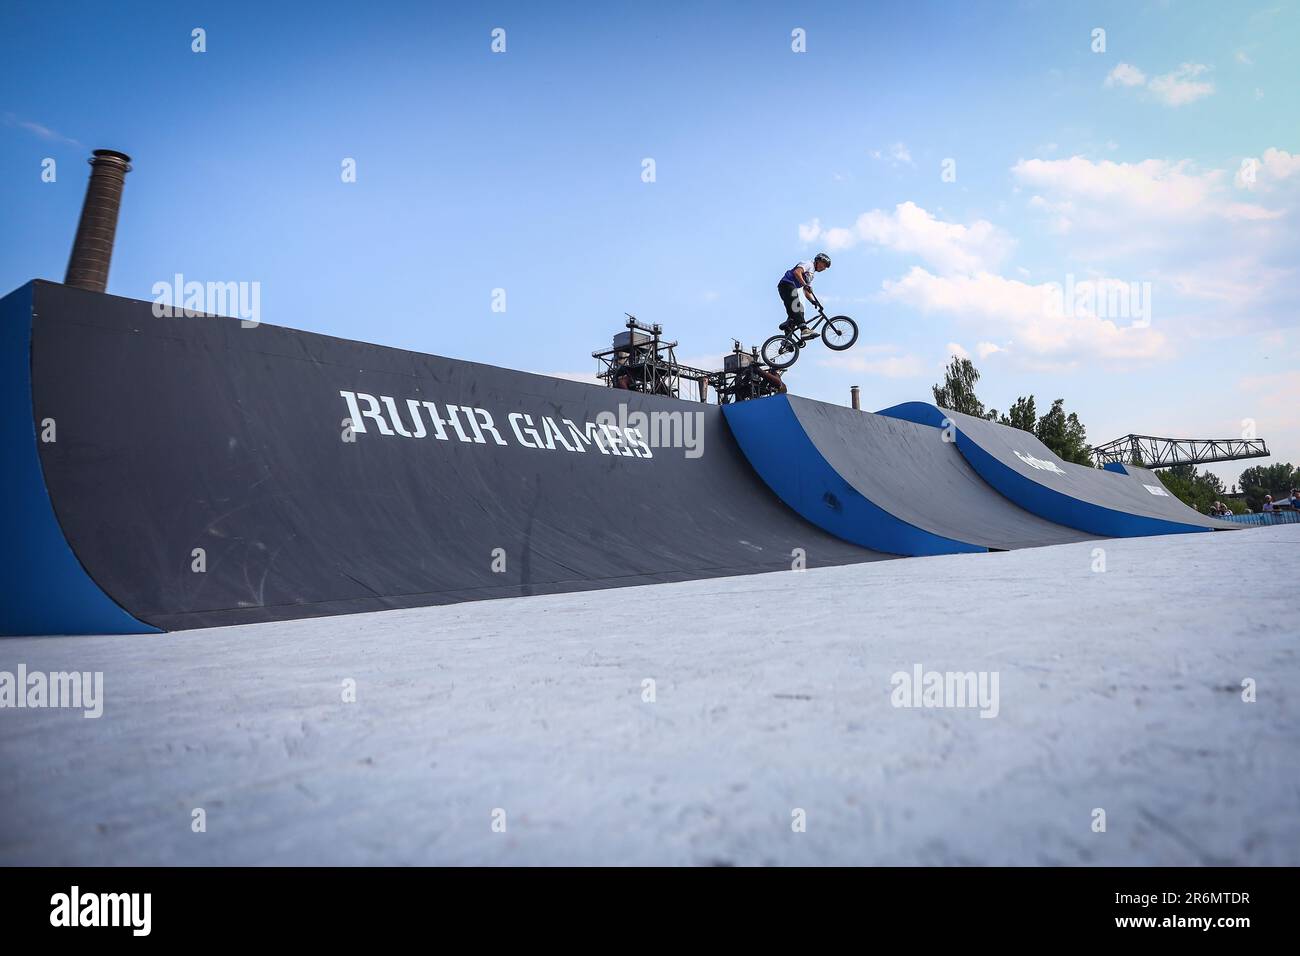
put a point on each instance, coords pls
(798, 279)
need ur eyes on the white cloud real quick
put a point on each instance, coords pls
(1209, 259)
(898, 154)
(1273, 166)
(1061, 211)
(1027, 315)
(1281, 164)
(945, 246)
(1182, 86)
(1153, 189)
(1247, 212)
(41, 130)
(955, 349)
(1241, 281)
(1186, 84)
(839, 238)
(808, 232)
(1241, 57)
(1126, 74)
(1218, 263)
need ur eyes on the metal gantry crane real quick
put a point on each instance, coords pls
(1152, 452)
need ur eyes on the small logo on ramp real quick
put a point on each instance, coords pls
(1156, 490)
(1038, 463)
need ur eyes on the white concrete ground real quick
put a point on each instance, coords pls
(1119, 690)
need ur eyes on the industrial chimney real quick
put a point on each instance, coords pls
(93, 247)
(854, 398)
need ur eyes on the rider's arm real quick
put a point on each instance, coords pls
(805, 284)
(773, 379)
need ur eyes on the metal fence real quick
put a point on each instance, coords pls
(1267, 517)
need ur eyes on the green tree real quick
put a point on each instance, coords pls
(1023, 415)
(1080, 450)
(1260, 480)
(958, 389)
(1199, 489)
(1064, 434)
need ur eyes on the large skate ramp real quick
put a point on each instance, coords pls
(1029, 473)
(881, 482)
(43, 588)
(203, 473)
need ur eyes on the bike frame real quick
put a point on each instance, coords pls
(794, 341)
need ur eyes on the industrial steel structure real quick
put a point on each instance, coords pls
(1165, 452)
(642, 361)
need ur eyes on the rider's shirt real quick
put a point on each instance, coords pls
(808, 272)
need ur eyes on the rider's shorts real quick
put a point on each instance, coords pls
(793, 304)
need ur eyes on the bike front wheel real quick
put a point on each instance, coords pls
(840, 333)
(780, 351)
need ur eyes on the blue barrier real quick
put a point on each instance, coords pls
(1266, 517)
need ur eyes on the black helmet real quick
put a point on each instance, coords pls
(822, 257)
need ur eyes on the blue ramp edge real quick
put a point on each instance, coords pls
(1059, 507)
(920, 413)
(43, 587)
(780, 451)
(1035, 497)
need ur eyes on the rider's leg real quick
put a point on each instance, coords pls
(793, 306)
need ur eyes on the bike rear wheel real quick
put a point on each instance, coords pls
(780, 351)
(840, 333)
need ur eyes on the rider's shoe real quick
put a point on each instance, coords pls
(808, 333)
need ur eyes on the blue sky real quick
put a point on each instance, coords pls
(522, 171)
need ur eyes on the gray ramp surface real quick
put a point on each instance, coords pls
(1127, 493)
(911, 472)
(184, 435)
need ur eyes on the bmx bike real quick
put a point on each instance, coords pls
(838, 332)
